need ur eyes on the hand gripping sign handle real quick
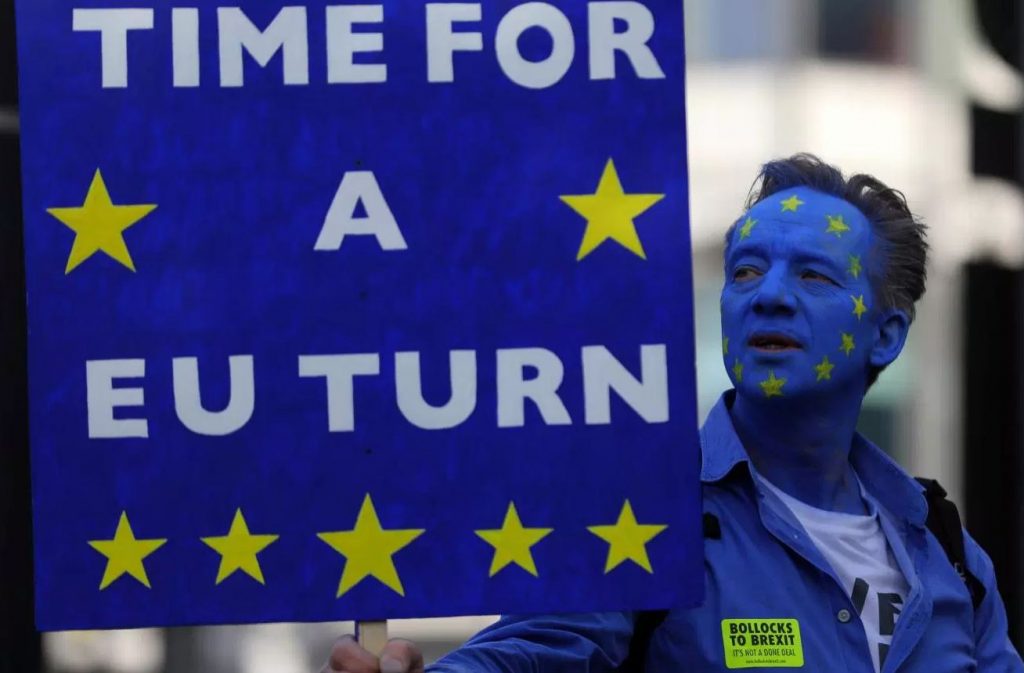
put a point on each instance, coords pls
(373, 636)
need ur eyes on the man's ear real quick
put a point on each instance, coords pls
(893, 329)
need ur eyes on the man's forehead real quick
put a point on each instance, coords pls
(836, 221)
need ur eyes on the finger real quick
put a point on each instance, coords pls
(348, 656)
(401, 656)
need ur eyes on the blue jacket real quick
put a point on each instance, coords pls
(764, 566)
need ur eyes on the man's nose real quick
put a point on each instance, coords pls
(774, 294)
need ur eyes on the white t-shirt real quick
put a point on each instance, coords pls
(856, 548)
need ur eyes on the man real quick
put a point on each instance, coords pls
(817, 525)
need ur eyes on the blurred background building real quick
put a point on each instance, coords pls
(925, 94)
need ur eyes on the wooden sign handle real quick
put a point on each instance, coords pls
(373, 636)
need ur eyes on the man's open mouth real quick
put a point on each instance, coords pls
(773, 342)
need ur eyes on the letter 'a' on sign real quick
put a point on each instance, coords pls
(358, 311)
(360, 187)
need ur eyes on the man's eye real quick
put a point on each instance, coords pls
(818, 277)
(745, 273)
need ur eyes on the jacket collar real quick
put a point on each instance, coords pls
(886, 481)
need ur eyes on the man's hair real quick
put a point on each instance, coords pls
(897, 260)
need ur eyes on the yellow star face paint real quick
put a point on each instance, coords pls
(795, 304)
(792, 204)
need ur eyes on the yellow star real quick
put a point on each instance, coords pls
(238, 550)
(791, 204)
(836, 225)
(747, 226)
(627, 539)
(855, 267)
(368, 549)
(737, 369)
(512, 542)
(859, 308)
(725, 346)
(847, 344)
(609, 213)
(98, 225)
(772, 386)
(125, 553)
(824, 369)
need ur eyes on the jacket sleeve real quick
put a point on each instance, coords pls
(582, 643)
(993, 649)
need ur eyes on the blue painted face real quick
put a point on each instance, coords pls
(798, 314)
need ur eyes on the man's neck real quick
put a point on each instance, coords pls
(803, 447)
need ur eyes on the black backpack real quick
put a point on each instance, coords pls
(943, 521)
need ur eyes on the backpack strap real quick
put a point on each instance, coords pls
(649, 620)
(944, 523)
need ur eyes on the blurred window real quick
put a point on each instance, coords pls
(865, 30)
(881, 424)
(755, 30)
(732, 30)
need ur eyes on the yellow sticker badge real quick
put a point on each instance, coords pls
(760, 643)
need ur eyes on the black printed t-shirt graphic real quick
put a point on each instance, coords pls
(889, 605)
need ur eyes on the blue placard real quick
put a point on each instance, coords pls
(357, 310)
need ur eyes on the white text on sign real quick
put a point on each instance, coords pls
(613, 27)
(522, 375)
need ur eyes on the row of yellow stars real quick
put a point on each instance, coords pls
(99, 224)
(368, 548)
(836, 224)
(772, 386)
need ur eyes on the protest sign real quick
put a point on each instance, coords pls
(357, 310)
